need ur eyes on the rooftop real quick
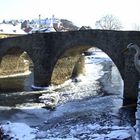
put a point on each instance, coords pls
(10, 29)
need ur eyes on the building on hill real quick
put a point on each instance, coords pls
(41, 25)
(85, 28)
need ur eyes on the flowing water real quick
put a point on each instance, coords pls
(89, 102)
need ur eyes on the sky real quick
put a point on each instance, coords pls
(80, 12)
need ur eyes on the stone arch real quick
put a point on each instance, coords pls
(111, 58)
(84, 43)
(73, 51)
(20, 43)
(110, 42)
(15, 50)
(15, 66)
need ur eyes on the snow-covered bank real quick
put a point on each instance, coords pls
(95, 131)
(15, 131)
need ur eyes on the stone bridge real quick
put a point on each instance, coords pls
(57, 54)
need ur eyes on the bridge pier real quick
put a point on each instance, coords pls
(42, 78)
(130, 90)
(79, 67)
(131, 80)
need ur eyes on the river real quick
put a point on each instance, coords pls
(88, 108)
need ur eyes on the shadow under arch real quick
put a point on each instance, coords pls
(74, 49)
(65, 66)
(72, 63)
(15, 70)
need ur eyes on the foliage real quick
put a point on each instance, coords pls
(68, 25)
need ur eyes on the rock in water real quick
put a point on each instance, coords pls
(50, 100)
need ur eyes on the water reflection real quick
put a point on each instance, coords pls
(17, 82)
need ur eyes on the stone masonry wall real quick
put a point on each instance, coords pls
(13, 64)
(63, 69)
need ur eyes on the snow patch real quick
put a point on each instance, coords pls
(22, 131)
(10, 29)
(19, 131)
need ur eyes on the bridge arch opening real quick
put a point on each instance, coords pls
(15, 70)
(111, 77)
(76, 61)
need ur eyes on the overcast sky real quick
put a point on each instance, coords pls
(80, 12)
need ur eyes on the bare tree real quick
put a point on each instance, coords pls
(108, 22)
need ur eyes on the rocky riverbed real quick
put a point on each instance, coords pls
(89, 108)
